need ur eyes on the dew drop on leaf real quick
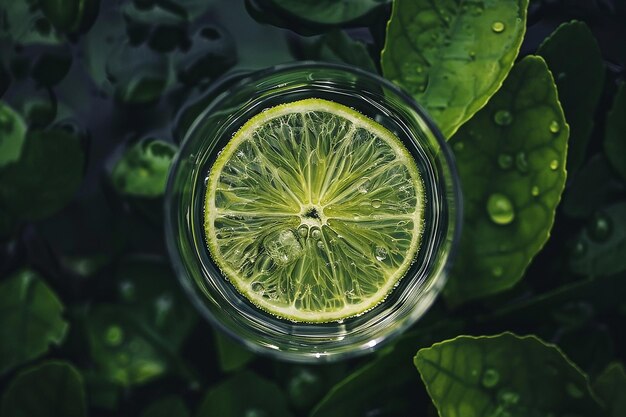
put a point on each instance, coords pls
(500, 209)
(600, 228)
(498, 27)
(555, 127)
(521, 163)
(534, 191)
(503, 118)
(554, 164)
(114, 335)
(490, 378)
(505, 161)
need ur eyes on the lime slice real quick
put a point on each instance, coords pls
(313, 211)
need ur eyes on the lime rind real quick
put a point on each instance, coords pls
(314, 212)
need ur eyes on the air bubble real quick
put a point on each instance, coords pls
(376, 203)
(303, 231)
(316, 233)
(380, 253)
(320, 244)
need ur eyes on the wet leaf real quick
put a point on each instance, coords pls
(12, 134)
(579, 104)
(511, 159)
(504, 375)
(167, 407)
(142, 170)
(615, 140)
(601, 245)
(59, 392)
(452, 56)
(45, 177)
(31, 319)
(231, 355)
(244, 394)
(610, 386)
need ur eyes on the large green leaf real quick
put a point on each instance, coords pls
(615, 140)
(167, 407)
(142, 170)
(511, 161)
(601, 245)
(12, 134)
(610, 386)
(244, 394)
(45, 177)
(579, 81)
(48, 390)
(31, 319)
(452, 56)
(504, 375)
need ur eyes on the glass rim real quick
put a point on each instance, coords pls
(237, 81)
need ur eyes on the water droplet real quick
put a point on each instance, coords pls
(303, 231)
(316, 233)
(364, 188)
(490, 378)
(555, 127)
(579, 250)
(600, 228)
(498, 27)
(573, 390)
(505, 161)
(376, 203)
(521, 163)
(500, 209)
(497, 271)
(458, 146)
(554, 165)
(507, 397)
(534, 191)
(114, 335)
(503, 118)
(380, 253)
(320, 244)
(257, 287)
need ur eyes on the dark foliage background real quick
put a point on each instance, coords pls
(83, 268)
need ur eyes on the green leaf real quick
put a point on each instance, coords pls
(231, 356)
(138, 339)
(31, 319)
(592, 187)
(125, 351)
(48, 390)
(452, 56)
(615, 140)
(336, 46)
(511, 161)
(67, 15)
(244, 394)
(46, 176)
(504, 375)
(167, 407)
(142, 170)
(610, 386)
(601, 245)
(328, 12)
(12, 134)
(574, 39)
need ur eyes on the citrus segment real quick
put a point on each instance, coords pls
(313, 211)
